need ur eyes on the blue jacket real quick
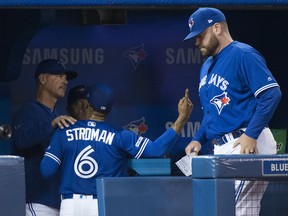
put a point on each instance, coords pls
(31, 133)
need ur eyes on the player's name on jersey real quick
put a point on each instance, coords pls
(275, 168)
(91, 134)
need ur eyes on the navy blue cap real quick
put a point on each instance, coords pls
(55, 67)
(101, 97)
(201, 19)
(76, 93)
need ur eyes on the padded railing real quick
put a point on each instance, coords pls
(139, 3)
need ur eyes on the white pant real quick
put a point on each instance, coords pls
(248, 194)
(36, 209)
(266, 144)
(79, 205)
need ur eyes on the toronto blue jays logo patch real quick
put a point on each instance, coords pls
(190, 23)
(138, 126)
(136, 55)
(220, 101)
(61, 63)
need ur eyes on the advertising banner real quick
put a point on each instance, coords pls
(280, 136)
(145, 61)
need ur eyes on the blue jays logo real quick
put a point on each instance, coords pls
(61, 63)
(220, 101)
(191, 23)
(136, 55)
(138, 127)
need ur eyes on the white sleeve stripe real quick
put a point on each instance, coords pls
(143, 146)
(139, 141)
(53, 157)
(265, 87)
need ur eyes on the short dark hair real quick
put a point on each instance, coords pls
(76, 93)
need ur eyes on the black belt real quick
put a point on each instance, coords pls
(71, 196)
(222, 140)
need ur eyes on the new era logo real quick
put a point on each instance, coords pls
(210, 21)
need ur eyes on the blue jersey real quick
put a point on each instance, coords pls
(31, 133)
(88, 150)
(229, 85)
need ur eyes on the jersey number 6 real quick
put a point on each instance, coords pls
(84, 165)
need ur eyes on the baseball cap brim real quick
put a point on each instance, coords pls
(70, 74)
(55, 67)
(201, 19)
(193, 34)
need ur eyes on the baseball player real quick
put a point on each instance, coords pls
(32, 129)
(76, 97)
(238, 94)
(92, 149)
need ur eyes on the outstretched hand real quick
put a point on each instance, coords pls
(185, 106)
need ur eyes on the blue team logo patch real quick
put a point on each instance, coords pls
(138, 127)
(136, 55)
(190, 23)
(220, 101)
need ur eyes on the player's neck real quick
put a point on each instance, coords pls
(97, 116)
(222, 46)
(47, 100)
(97, 119)
(227, 39)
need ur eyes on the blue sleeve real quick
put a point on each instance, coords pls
(52, 157)
(267, 102)
(162, 145)
(48, 166)
(201, 133)
(256, 74)
(138, 146)
(29, 129)
(200, 136)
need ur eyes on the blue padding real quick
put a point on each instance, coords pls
(142, 196)
(12, 185)
(37, 3)
(238, 166)
(213, 197)
(151, 166)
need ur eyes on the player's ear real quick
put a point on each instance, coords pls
(85, 104)
(217, 28)
(42, 78)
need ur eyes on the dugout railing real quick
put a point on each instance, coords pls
(209, 192)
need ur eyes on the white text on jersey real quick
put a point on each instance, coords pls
(90, 134)
(217, 80)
